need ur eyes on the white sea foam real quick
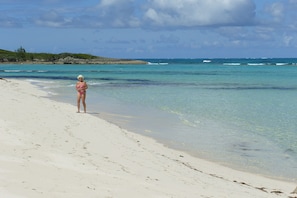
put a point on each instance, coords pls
(234, 64)
(280, 64)
(150, 63)
(256, 64)
(8, 71)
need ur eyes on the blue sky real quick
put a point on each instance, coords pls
(152, 28)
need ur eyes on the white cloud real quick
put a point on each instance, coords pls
(277, 11)
(293, 1)
(160, 13)
(146, 14)
(117, 13)
(288, 40)
(51, 19)
(108, 3)
(9, 22)
(190, 13)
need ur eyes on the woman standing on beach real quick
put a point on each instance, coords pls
(81, 87)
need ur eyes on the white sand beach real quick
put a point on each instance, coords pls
(49, 150)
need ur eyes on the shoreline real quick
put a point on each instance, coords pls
(163, 127)
(48, 150)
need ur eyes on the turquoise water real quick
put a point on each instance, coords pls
(237, 112)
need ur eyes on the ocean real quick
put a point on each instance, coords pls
(239, 113)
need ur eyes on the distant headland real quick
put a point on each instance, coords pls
(20, 56)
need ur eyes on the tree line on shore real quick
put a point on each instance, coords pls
(21, 56)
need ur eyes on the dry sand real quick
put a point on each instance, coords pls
(49, 150)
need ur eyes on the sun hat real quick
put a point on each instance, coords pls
(80, 76)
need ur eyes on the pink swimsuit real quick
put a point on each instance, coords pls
(81, 88)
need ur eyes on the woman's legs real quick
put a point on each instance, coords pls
(78, 102)
(83, 98)
(84, 102)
